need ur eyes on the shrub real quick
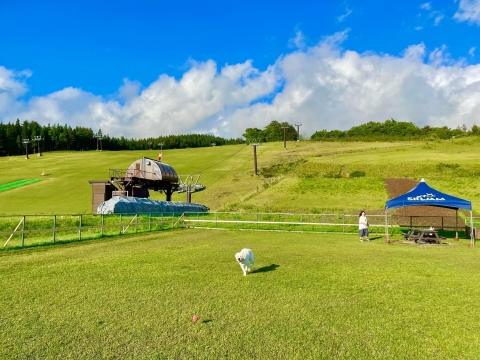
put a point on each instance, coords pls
(357, 173)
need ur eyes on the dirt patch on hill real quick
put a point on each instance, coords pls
(433, 215)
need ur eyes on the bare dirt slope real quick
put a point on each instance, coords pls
(397, 187)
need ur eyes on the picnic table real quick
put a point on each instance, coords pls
(422, 236)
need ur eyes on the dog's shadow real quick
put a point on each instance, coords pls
(268, 268)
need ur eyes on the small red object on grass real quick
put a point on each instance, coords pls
(195, 318)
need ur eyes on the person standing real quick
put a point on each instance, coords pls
(363, 226)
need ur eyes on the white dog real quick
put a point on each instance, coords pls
(246, 260)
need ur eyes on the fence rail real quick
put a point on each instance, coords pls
(321, 223)
(32, 230)
(316, 223)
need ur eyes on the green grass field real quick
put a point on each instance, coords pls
(313, 297)
(302, 179)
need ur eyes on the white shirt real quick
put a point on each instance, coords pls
(362, 222)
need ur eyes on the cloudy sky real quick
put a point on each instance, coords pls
(150, 68)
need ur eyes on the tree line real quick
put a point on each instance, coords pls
(58, 137)
(392, 130)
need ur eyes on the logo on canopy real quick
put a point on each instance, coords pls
(426, 197)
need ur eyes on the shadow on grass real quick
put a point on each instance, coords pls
(206, 321)
(268, 268)
(376, 238)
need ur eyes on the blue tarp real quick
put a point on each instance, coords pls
(134, 205)
(422, 194)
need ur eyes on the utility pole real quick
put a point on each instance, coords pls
(38, 139)
(255, 144)
(99, 137)
(297, 124)
(284, 137)
(26, 142)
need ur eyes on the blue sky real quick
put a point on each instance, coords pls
(151, 68)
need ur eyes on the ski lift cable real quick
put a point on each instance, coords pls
(228, 171)
(218, 163)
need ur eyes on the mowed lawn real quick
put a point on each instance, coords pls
(313, 297)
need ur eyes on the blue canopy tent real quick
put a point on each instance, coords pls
(424, 195)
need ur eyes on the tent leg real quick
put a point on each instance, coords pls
(472, 230)
(387, 238)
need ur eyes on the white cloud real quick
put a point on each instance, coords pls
(415, 53)
(323, 86)
(435, 14)
(298, 41)
(471, 51)
(12, 86)
(347, 13)
(426, 6)
(468, 10)
(438, 18)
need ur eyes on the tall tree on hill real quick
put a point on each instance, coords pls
(254, 134)
(274, 131)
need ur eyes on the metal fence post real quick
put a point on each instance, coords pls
(54, 227)
(23, 231)
(103, 224)
(80, 227)
(120, 224)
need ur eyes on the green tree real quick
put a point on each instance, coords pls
(254, 134)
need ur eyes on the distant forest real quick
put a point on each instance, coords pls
(392, 130)
(58, 138)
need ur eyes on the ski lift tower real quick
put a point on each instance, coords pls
(255, 143)
(38, 139)
(285, 137)
(190, 185)
(99, 137)
(26, 142)
(297, 124)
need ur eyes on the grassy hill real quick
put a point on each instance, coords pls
(307, 177)
(313, 295)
